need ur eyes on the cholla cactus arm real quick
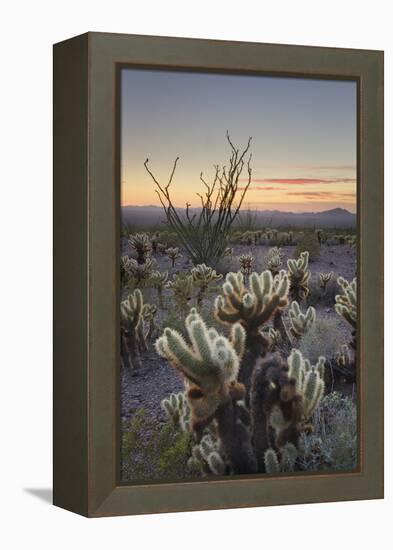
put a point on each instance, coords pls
(158, 280)
(301, 322)
(343, 356)
(272, 464)
(299, 276)
(149, 313)
(140, 242)
(309, 380)
(178, 410)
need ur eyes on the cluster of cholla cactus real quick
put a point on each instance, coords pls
(299, 277)
(206, 457)
(178, 411)
(301, 322)
(343, 356)
(182, 288)
(345, 239)
(173, 254)
(246, 261)
(209, 363)
(346, 304)
(133, 340)
(158, 280)
(252, 307)
(324, 278)
(273, 259)
(140, 273)
(140, 242)
(203, 276)
(283, 460)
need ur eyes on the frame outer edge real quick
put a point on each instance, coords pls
(70, 268)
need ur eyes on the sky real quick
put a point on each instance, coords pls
(303, 137)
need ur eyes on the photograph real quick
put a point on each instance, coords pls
(238, 275)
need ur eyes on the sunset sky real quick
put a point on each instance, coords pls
(303, 146)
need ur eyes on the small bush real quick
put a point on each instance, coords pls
(333, 444)
(324, 338)
(153, 451)
(310, 243)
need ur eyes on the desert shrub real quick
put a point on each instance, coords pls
(310, 243)
(333, 443)
(324, 338)
(319, 296)
(152, 450)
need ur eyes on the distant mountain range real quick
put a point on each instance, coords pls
(147, 216)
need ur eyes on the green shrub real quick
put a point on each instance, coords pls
(333, 444)
(151, 450)
(310, 243)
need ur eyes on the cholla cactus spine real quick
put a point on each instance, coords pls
(140, 242)
(173, 254)
(299, 276)
(301, 322)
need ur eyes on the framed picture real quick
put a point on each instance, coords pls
(218, 274)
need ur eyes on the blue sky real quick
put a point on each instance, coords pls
(303, 146)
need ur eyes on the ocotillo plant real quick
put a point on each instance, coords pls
(299, 277)
(158, 280)
(346, 304)
(140, 274)
(210, 364)
(181, 287)
(252, 307)
(301, 322)
(173, 254)
(140, 242)
(324, 278)
(132, 330)
(203, 233)
(246, 261)
(203, 276)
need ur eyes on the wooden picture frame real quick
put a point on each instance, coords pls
(86, 273)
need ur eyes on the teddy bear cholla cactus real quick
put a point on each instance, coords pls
(246, 261)
(140, 242)
(283, 398)
(299, 277)
(346, 304)
(203, 276)
(132, 330)
(158, 280)
(210, 364)
(252, 307)
(139, 273)
(324, 278)
(173, 254)
(301, 322)
(182, 288)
